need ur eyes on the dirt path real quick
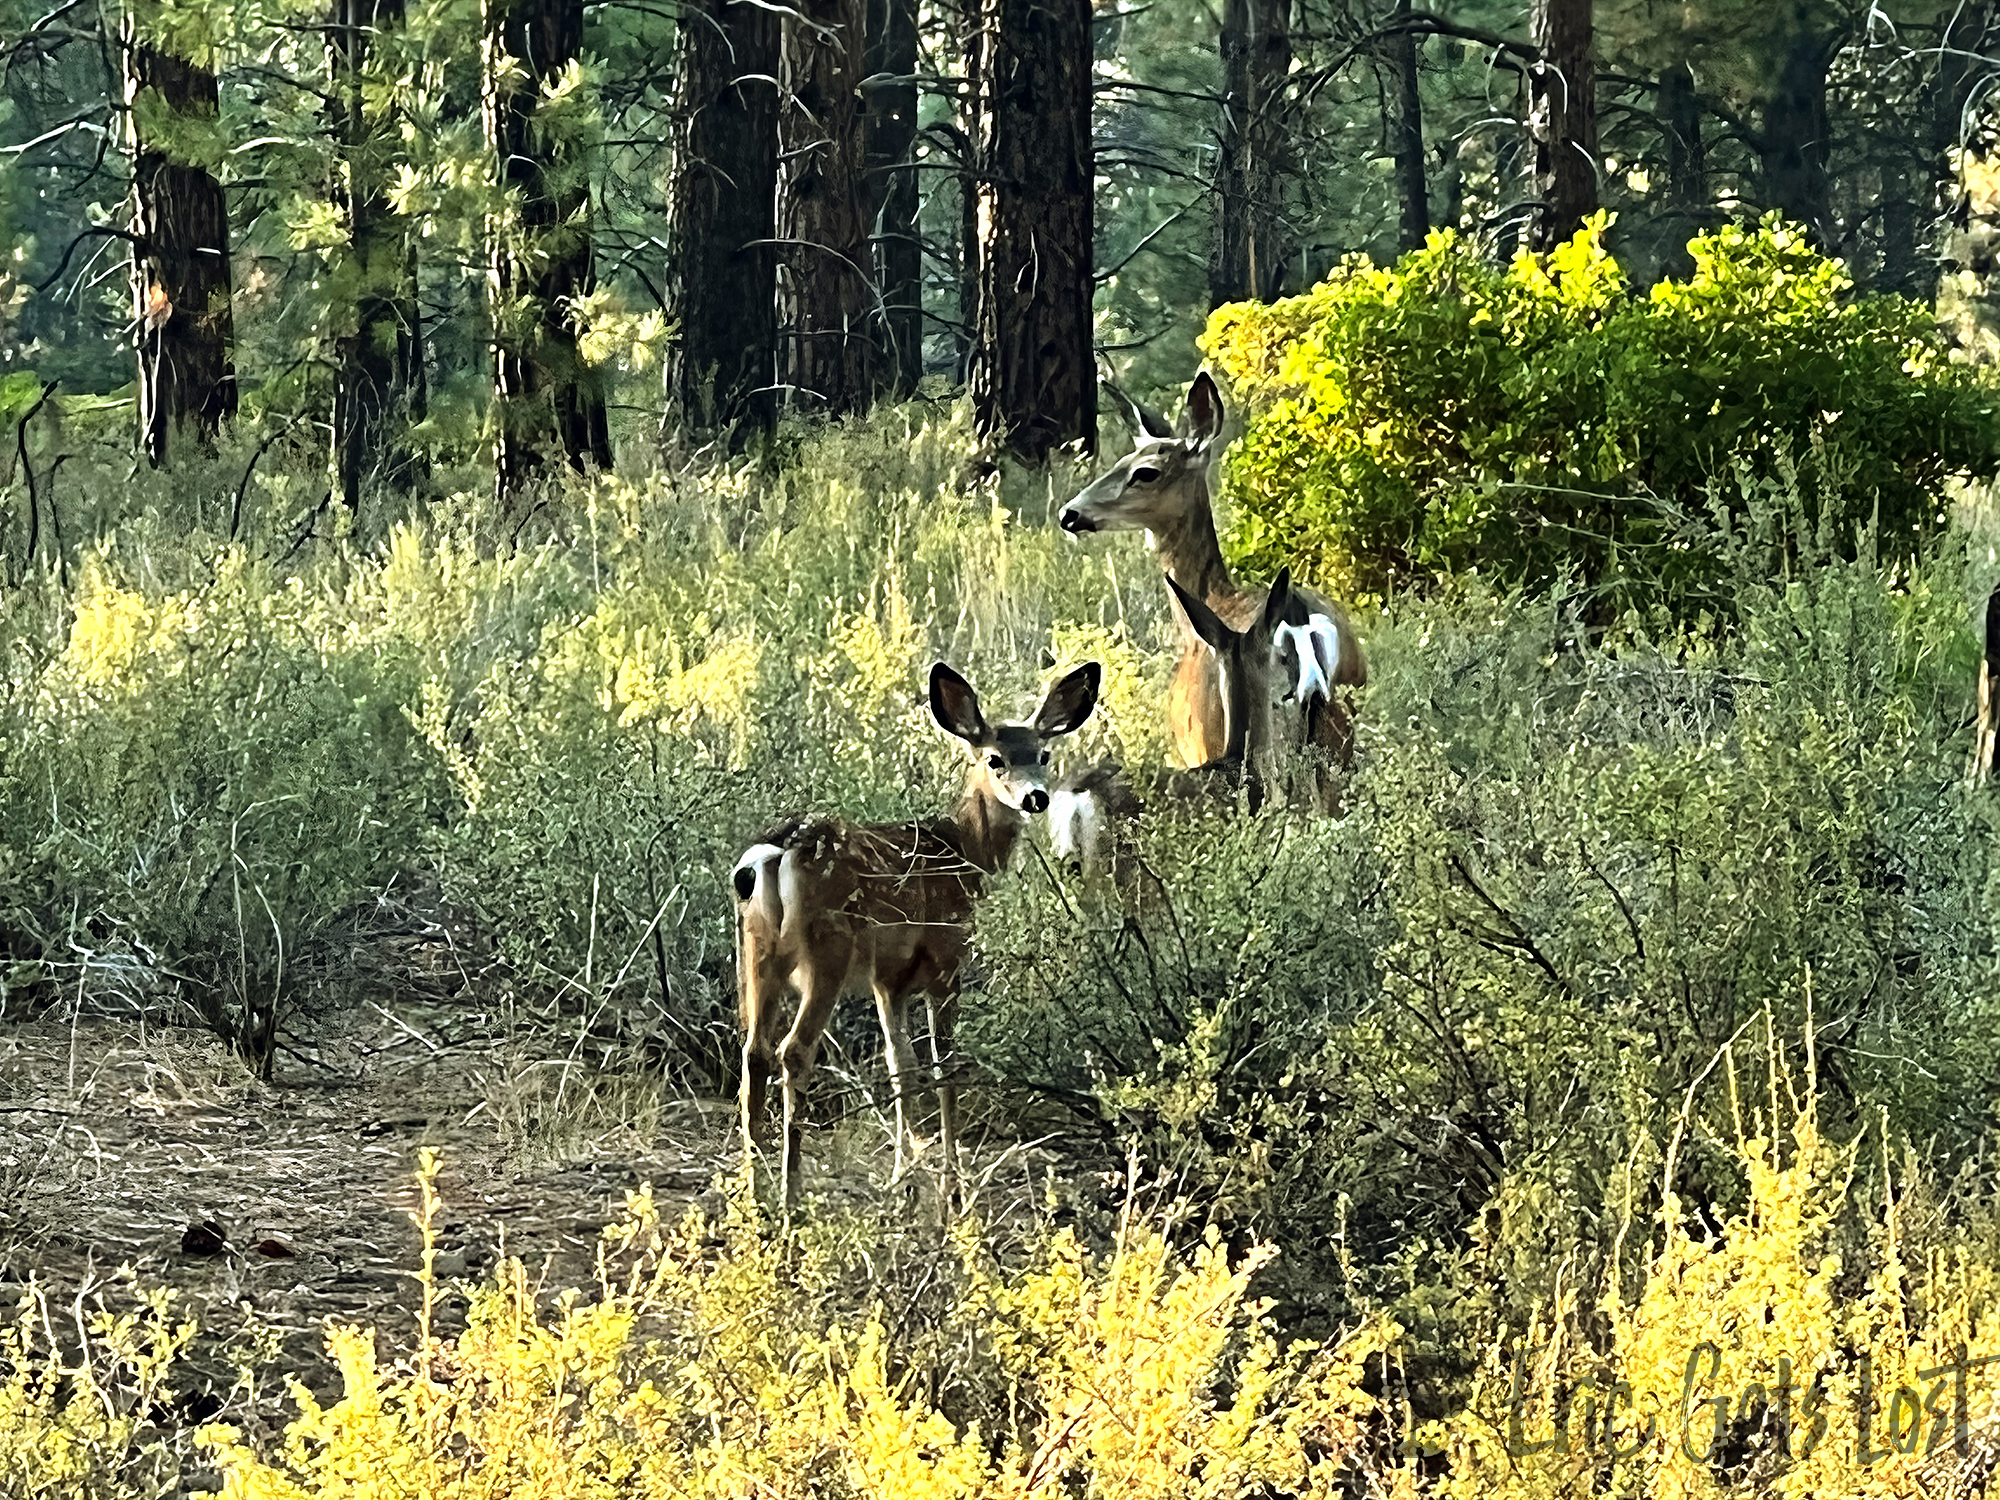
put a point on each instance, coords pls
(114, 1141)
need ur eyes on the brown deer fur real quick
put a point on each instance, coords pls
(824, 906)
(1161, 487)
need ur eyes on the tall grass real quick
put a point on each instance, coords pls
(1449, 1053)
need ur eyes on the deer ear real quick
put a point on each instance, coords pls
(1215, 634)
(955, 706)
(1279, 601)
(1144, 421)
(1202, 421)
(1069, 702)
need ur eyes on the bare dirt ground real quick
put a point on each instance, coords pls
(115, 1139)
(149, 1150)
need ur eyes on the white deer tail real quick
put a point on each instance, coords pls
(1314, 649)
(755, 881)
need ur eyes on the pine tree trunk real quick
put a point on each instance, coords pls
(1033, 383)
(1686, 212)
(543, 393)
(826, 295)
(723, 270)
(1412, 191)
(1680, 121)
(1251, 248)
(1562, 121)
(1792, 146)
(180, 264)
(378, 360)
(892, 190)
(1967, 34)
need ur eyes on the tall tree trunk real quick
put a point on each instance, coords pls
(180, 262)
(892, 190)
(722, 270)
(378, 358)
(1967, 34)
(1251, 248)
(1033, 381)
(1680, 121)
(1507, 168)
(1562, 121)
(542, 261)
(1679, 112)
(826, 294)
(1412, 191)
(1792, 145)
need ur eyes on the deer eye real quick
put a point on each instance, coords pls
(1045, 757)
(1145, 474)
(996, 763)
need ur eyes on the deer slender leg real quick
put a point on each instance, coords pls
(762, 988)
(818, 991)
(758, 1065)
(944, 1020)
(902, 1061)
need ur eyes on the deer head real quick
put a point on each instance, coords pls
(1010, 762)
(1162, 479)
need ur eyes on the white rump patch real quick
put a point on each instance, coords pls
(758, 860)
(1076, 824)
(1308, 658)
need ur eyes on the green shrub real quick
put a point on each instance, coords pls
(1537, 422)
(197, 780)
(1422, 1047)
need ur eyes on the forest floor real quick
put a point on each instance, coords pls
(136, 1157)
(115, 1140)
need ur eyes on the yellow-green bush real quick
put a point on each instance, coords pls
(714, 1361)
(1809, 1345)
(1535, 422)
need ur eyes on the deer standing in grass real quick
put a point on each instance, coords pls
(1161, 487)
(1090, 812)
(824, 906)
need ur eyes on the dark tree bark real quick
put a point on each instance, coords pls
(1028, 65)
(1967, 35)
(1792, 143)
(967, 333)
(826, 294)
(1251, 248)
(1686, 210)
(1412, 191)
(1562, 121)
(542, 391)
(180, 264)
(722, 271)
(378, 389)
(1680, 122)
(892, 190)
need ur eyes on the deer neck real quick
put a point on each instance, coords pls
(1189, 552)
(987, 828)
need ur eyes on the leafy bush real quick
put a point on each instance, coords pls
(195, 780)
(1441, 416)
(1794, 1348)
(208, 758)
(1421, 1047)
(712, 1362)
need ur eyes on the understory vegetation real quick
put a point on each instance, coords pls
(1638, 1008)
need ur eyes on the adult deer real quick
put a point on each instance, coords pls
(1090, 811)
(824, 906)
(1161, 487)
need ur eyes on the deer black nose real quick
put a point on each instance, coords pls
(1072, 519)
(1036, 801)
